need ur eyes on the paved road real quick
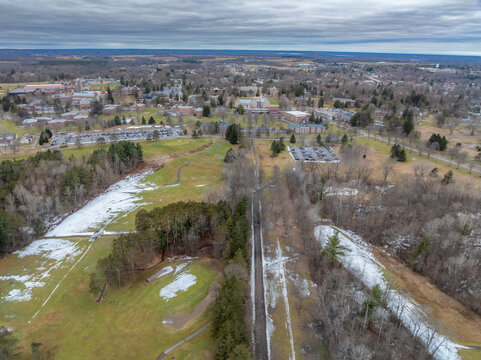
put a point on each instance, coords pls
(261, 351)
(182, 342)
(434, 156)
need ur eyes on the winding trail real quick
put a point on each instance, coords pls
(189, 162)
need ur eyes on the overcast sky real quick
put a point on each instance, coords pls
(401, 26)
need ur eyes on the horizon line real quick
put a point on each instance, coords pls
(247, 50)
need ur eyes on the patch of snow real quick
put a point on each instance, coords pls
(24, 294)
(55, 249)
(302, 285)
(282, 274)
(182, 283)
(201, 185)
(361, 262)
(160, 273)
(181, 267)
(118, 198)
(330, 191)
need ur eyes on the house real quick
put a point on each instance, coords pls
(8, 136)
(216, 91)
(307, 128)
(27, 138)
(273, 91)
(64, 98)
(84, 104)
(296, 116)
(89, 95)
(80, 119)
(57, 123)
(128, 90)
(69, 115)
(184, 110)
(197, 112)
(214, 127)
(110, 109)
(29, 122)
(344, 101)
(249, 89)
(253, 103)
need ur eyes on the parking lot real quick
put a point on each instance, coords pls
(112, 136)
(313, 153)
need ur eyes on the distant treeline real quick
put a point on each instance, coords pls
(71, 62)
(36, 190)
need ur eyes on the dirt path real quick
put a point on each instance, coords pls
(261, 346)
(178, 321)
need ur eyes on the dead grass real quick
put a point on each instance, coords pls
(459, 323)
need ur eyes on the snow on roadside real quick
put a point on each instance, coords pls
(181, 283)
(119, 198)
(361, 262)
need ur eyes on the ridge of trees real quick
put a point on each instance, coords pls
(35, 190)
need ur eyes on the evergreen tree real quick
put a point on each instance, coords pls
(293, 139)
(320, 103)
(232, 133)
(333, 249)
(151, 120)
(143, 121)
(206, 111)
(110, 96)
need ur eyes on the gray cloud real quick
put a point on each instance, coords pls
(418, 26)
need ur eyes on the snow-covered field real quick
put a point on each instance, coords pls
(120, 198)
(50, 254)
(361, 262)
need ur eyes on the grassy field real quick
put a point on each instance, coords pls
(380, 151)
(150, 148)
(7, 126)
(201, 176)
(126, 324)
(267, 162)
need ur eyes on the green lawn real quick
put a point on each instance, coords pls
(10, 126)
(199, 177)
(126, 325)
(150, 148)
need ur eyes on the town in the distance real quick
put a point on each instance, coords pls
(167, 204)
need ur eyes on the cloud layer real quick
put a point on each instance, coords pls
(415, 26)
